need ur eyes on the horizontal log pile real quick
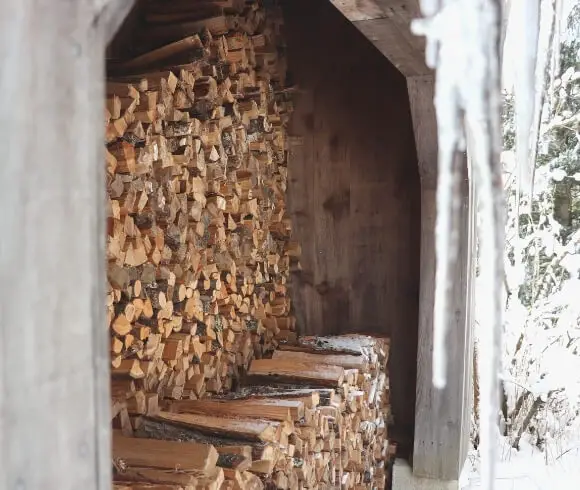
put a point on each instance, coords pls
(313, 416)
(198, 242)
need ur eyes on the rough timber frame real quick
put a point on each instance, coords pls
(54, 368)
(441, 417)
(54, 420)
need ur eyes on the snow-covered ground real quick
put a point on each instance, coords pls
(530, 469)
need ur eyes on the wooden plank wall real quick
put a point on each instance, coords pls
(354, 192)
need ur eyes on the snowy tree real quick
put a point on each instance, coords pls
(542, 330)
(539, 271)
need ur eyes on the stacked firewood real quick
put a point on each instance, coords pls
(198, 238)
(211, 388)
(313, 416)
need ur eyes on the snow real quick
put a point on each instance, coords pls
(529, 468)
(558, 174)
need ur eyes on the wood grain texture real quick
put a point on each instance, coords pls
(386, 23)
(441, 433)
(54, 377)
(468, 378)
(421, 92)
(354, 192)
(164, 455)
(355, 10)
(441, 417)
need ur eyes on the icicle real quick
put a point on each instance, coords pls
(450, 138)
(504, 29)
(446, 243)
(548, 52)
(525, 27)
(463, 46)
(554, 63)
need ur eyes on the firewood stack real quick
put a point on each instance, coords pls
(211, 388)
(198, 244)
(312, 416)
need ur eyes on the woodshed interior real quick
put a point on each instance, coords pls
(263, 247)
(354, 193)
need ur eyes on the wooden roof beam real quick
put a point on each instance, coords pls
(386, 23)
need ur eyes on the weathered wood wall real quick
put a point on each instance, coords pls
(54, 360)
(354, 192)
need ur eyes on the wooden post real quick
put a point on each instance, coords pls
(468, 381)
(441, 416)
(54, 374)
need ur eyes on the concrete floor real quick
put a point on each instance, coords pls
(403, 479)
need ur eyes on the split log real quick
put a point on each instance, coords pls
(344, 360)
(273, 409)
(287, 372)
(168, 455)
(238, 428)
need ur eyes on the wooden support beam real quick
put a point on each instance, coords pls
(387, 25)
(421, 91)
(441, 416)
(109, 16)
(54, 376)
(468, 380)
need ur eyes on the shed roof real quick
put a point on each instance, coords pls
(386, 24)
